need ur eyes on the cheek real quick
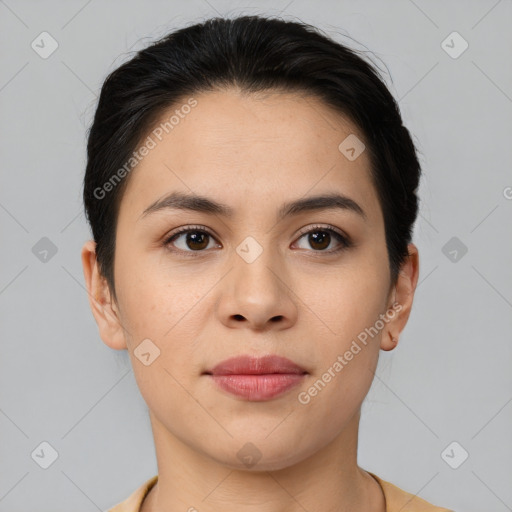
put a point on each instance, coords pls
(347, 309)
(156, 298)
(162, 305)
(347, 352)
(348, 300)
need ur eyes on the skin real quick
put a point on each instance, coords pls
(253, 152)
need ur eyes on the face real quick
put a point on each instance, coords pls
(308, 283)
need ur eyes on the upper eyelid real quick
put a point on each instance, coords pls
(327, 227)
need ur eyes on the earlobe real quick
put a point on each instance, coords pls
(100, 300)
(402, 301)
(388, 343)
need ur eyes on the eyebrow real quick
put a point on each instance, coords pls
(192, 202)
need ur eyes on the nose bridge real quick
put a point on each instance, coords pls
(256, 268)
(255, 290)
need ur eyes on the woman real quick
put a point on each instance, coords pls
(252, 194)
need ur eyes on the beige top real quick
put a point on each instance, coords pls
(397, 500)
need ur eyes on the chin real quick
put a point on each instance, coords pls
(263, 456)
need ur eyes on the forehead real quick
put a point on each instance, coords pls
(242, 146)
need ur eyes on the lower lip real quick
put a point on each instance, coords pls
(258, 388)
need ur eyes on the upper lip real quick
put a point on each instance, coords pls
(250, 365)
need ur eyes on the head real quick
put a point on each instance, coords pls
(215, 130)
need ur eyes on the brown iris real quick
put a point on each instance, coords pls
(197, 240)
(323, 238)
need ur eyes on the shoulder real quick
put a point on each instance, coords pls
(134, 501)
(400, 500)
(396, 498)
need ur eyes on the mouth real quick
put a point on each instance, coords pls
(257, 378)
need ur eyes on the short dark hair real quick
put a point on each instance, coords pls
(253, 53)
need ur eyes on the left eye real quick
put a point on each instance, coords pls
(320, 238)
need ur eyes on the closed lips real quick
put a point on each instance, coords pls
(250, 365)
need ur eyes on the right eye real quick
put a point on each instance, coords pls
(191, 238)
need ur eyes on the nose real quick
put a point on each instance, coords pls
(255, 295)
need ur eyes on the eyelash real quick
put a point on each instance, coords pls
(344, 241)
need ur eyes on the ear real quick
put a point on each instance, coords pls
(400, 302)
(100, 300)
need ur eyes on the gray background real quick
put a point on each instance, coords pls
(448, 380)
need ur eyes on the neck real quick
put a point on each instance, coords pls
(327, 480)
